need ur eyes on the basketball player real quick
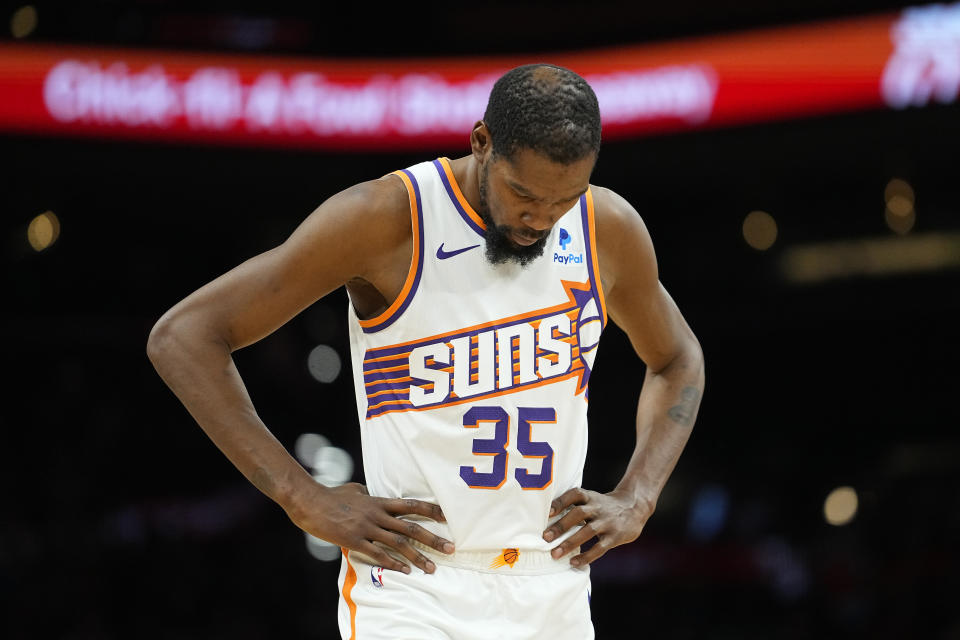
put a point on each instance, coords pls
(478, 290)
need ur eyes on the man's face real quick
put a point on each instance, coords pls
(522, 197)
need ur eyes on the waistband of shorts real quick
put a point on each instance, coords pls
(527, 562)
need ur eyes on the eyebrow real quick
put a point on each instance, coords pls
(519, 189)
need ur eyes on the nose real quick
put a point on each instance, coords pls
(539, 221)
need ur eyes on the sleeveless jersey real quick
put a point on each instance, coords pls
(472, 386)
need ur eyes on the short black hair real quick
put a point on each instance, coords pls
(545, 108)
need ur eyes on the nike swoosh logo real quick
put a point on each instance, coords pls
(443, 255)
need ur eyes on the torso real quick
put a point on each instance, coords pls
(432, 377)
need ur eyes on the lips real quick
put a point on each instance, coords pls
(522, 240)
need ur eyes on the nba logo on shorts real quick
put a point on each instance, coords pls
(376, 576)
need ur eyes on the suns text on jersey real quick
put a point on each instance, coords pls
(531, 349)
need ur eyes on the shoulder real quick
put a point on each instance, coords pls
(374, 215)
(614, 216)
(382, 205)
(624, 246)
(356, 232)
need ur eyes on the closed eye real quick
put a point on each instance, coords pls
(525, 197)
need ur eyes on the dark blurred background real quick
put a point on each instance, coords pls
(830, 398)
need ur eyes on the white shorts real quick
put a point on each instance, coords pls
(457, 603)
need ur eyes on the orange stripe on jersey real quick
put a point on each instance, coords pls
(459, 194)
(389, 381)
(397, 392)
(414, 259)
(577, 370)
(386, 403)
(562, 307)
(593, 251)
(348, 583)
(392, 357)
(555, 357)
(399, 367)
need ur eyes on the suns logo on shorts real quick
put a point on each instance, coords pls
(507, 557)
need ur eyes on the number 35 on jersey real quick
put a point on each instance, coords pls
(496, 447)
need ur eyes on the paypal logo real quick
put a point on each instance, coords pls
(570, 258)
(564, 239)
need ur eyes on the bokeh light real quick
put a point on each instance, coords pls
(840, 507)
(332, 466)
(43, 231)
(900, 214)
(307, 446)
(760, 230)
(898, 187)
(23, 22)
(321, 549)
(324, 363)
(709, 510)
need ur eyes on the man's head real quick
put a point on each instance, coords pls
(535, 149)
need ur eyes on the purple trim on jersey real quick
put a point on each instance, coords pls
(456, 203)
(388, 397)
(585, 217)
(373, 413)
(404, 350)
(416, 280)
(383, 364)
(390, 407)
(387, 386)
(587, 244)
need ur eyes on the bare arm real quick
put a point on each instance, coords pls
(671, 393)
(359, 233)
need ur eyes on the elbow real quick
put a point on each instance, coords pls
(686, 360)
(696, 351)
(160, 340)
(171, 335)
(695, 357)
(178, 335)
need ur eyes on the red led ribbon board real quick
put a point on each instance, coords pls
(896, 60)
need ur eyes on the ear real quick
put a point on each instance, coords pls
(481, 144)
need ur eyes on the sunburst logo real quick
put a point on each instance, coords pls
(507, 557)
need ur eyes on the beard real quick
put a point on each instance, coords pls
(500, 248)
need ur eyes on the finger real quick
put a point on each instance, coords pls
(409, 506)
(381, 557)
(416, 532)
(573, 496)
(584, 535)
(399, 543)
(591, 554)
(571, 519)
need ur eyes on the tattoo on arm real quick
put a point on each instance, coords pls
(683, 413)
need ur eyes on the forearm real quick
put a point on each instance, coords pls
(666, 412)
(200, 371)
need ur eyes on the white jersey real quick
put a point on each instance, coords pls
(472, 386)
